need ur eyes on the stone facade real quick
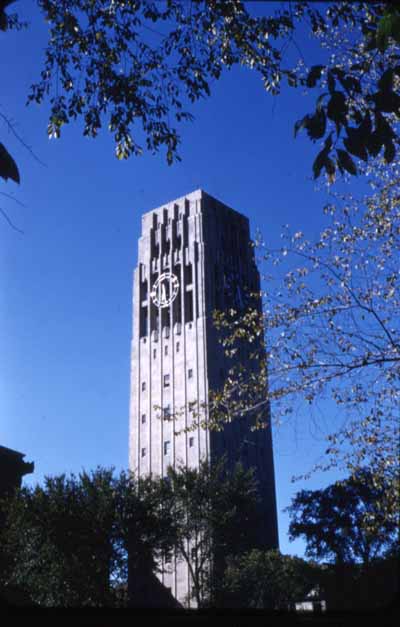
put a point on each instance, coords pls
(194, 256)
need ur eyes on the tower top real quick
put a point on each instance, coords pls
(196, 195)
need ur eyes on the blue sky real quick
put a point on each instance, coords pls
(66, 283)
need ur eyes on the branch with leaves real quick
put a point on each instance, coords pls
(331, 327)
(136, 65)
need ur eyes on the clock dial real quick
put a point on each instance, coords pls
(165, 289)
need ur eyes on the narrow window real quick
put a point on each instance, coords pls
(143, 321)
(166, 349)
(188, 274)
(143, 452)
(154, 353)
(166, 380)
(191, 442)
(143, 418)
(192, 405)
(167, 446)
(190, 373)
(188, 306)
(167, 412)
(177, 347)
(143, 386)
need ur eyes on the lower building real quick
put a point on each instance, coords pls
(12, 469)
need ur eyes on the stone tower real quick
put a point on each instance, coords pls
(194, 257)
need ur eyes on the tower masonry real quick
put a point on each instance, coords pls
(195, 256)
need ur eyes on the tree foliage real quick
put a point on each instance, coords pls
(266, 580)
(139, 62)
(331, 329)
(348, 521)
(59, 540)
(359, 108)
(9, 20)
(215, 514)
(67, 543)
(77, 540)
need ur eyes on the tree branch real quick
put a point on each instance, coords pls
(9, 221)
(11, 128)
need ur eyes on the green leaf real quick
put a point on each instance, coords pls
(346, 162)
(314, 124)
(330, 169)
(8, 167)
(389, 26)
(319, 163)
(350, 83)
(331, 82)
(385, 82)
(328, 143)
(355, 143)
(396, 28)
(3, 20)
(390, 152)
(337, 108)
(320, 101)
(371, 43)
(387, 101)
(314, 75)
(300, 124)
(374, 143)
(366, 125)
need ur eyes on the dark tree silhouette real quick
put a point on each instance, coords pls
(348, 521)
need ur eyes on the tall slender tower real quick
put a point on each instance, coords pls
(195, 256)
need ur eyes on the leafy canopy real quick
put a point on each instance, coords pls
(139, 63)
(68, 543)
(347, 521)
(266, 580)
(330, 329)
(215, 514)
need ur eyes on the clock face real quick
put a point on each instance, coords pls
(165, 289)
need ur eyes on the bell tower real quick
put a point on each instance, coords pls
(195, 256)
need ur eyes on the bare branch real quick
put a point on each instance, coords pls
(9, 221)
(11, 127)
(14, 199)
